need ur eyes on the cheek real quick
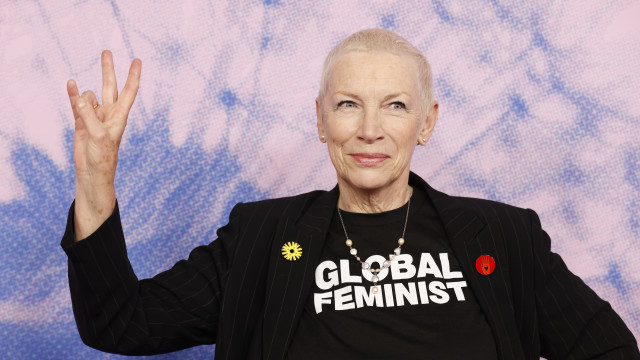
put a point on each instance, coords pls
(407, 150)
(340, 128)
(337, 157)
(336, 152)
(405, 139)
(338, 137)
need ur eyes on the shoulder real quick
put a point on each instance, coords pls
(291, 206)
(486, 204)
(452, 206)
(286, 201)
(253, 222)
(492, 212)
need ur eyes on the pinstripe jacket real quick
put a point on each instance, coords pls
(240, 293)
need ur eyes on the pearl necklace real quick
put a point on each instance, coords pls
(365, 265)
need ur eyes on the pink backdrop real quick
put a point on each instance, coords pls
(538, 108)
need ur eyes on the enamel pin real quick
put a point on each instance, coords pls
(291, 251)
(485, 264)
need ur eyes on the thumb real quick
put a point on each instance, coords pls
(87, 117)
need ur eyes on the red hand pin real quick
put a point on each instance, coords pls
(485, 264)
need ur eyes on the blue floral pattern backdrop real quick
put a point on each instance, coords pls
(538, 108)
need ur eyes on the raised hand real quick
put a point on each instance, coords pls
(97, 136)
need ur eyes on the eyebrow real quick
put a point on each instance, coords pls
(348, 94)
(390, 96)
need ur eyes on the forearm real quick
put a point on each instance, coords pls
(575, 323)
(605, 336)
(94, 203)
(117, 313)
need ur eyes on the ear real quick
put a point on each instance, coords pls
(428, 123)
(319, 119)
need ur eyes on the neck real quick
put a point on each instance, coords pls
(360, 200)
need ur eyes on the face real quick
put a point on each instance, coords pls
(371, 117)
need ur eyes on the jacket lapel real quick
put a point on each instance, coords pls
(289, 282)
(470, 237)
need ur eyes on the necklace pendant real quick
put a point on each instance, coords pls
(385, 264)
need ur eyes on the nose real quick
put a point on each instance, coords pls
(370, 127)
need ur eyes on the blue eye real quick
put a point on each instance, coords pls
(347, 104)
(398, 105)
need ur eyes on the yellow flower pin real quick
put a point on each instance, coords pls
(291, 251)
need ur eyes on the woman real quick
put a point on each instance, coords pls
(381, 266)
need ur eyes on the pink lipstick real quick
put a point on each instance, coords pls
(366, 159)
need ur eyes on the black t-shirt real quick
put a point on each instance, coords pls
(423, 309)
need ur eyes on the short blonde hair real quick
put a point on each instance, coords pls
(381, 40)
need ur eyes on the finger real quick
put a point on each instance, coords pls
(91, 98)
(109, 85)
(72, 90)
(130, 90)
(87, 116)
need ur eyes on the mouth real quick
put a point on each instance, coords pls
(367, 159)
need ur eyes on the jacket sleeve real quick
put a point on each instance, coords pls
(574, 322)
(117, 313)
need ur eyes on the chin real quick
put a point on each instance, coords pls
(369, 179)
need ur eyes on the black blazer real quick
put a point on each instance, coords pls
(241, 294)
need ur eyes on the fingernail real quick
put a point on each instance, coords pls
(81, 105)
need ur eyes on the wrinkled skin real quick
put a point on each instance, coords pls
(371, 118)
(97, 136)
